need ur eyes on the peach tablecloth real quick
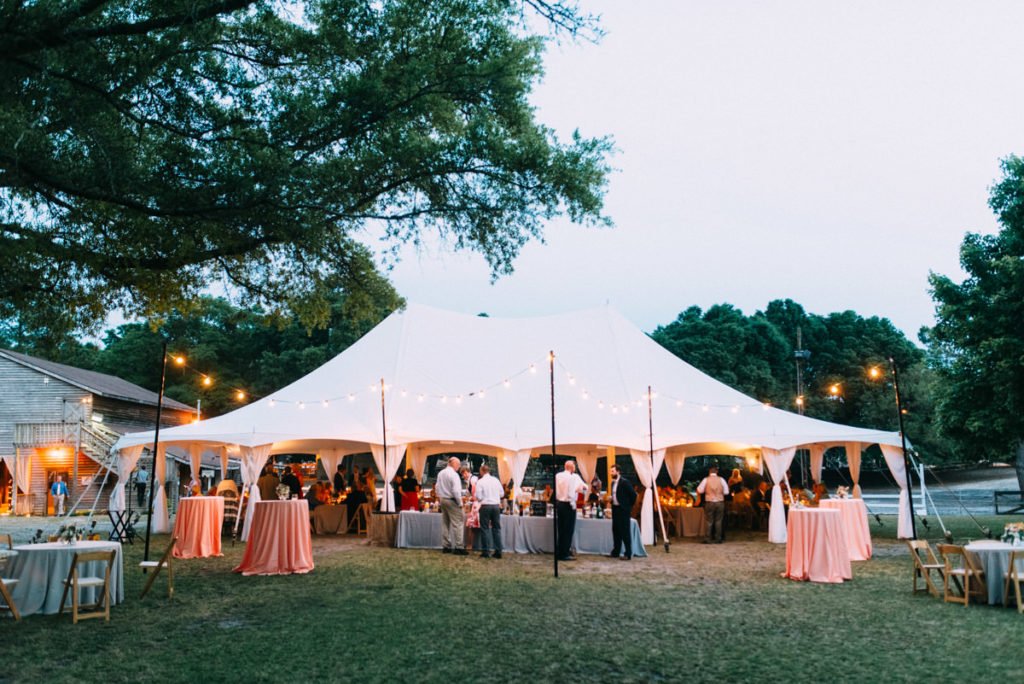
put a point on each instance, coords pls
(197, 526)
(279, 541)
(855, 526)
(815, 547)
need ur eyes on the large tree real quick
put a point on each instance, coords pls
(150, 149)
(977, 343)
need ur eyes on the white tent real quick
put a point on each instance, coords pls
(454, 382)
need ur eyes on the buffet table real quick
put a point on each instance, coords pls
(816, 546)
(279, 541)
(330, 519)
(689, 520)
(41, 569)
(519, 534)
(197, 526)
(854, 521)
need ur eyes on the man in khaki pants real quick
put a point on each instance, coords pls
(713, 490)
(448, 490)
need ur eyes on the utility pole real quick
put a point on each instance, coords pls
(799, 356)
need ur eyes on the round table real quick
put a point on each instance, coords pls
(197, 526)
(815, 546)
(854, 517)
(279, 539)
(41, 568)
(994, 558)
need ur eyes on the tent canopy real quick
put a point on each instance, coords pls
(452, 380)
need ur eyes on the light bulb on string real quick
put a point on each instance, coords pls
(507, 383)
(207, 381)
(405, 394)
(533, 368)
(679, 404)
(444, 399)
(271, 403)
(325, 403)
(705, 408)
(302, 405)
(179, 360)
(600, 404)
(735, 409)
(458, 399)
(240, 395)
(351, 397)
(586, 394)
(420, 398)
(481, 394)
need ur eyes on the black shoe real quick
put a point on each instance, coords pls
(497, 555)
(485, 555)
(705, 541)
(613, 555)
(460, 552)
(446, 550)
(567, 558)
(626, 558)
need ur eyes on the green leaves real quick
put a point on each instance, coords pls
(977, 344)
(149, 151)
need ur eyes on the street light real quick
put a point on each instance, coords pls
(875, 373)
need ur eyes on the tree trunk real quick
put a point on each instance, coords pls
(1020, 465)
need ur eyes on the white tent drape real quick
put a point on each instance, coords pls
(778, 461)
(387, 464)
(894, 459)
(519, 463)
(674, 463)
(817, 460)
(588, 466)
(418, 457)
(161, 520)
(647, 473)
(22, 481)
(853, 460)
(223, 463)
(195, 462)
(252, 462)
(505, 459)
(126, 460)
(330, 458)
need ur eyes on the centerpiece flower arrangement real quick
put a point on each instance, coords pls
(1013, 533)
(71, 533)
(843, 492)
(284, 492)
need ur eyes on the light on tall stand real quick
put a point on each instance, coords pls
(156, 439)
(875, 373)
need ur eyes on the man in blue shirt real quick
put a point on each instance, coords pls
(59, 491)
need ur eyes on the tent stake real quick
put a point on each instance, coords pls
(654, 474)
(554, 469)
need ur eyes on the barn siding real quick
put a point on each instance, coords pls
(25, 398)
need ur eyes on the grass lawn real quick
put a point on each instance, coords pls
(699, 613)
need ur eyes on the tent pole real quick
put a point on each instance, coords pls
(654, 475)
(554, 470)
(388, 495)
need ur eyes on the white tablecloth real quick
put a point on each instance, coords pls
(41, 569)
(519, 534)
(994, 557)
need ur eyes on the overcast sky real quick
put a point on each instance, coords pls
(829, 152)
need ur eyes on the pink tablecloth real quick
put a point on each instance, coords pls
(855, 526)
(279, 541)
(197, 526)
(815, 546)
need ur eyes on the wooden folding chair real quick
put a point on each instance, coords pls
(76, 582)
(230, 511)
(361, 519)
(1014, 576)
(157, 566)
(925, 563)
(6, 538)
(966, 577)
(6, 602)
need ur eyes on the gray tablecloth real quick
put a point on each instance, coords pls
(994, 557)
(519, 534)
(330, 519)
(41, 568)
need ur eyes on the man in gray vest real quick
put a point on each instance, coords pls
(713, 490)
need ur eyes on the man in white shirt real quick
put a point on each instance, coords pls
(488, 492)
(713, 489)
(568, 486)
(448, 490)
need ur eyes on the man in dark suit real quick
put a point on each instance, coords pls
(623, 496)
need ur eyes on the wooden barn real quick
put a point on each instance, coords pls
(61, 420)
